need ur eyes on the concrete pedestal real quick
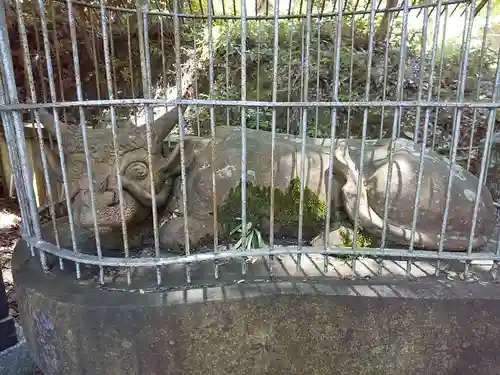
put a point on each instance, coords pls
(303, 322)
(8, 336)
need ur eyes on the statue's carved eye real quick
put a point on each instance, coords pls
(137, 171)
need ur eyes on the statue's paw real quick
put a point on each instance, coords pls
(172, 235)
(334, 239)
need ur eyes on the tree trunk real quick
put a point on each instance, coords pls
(383, 29)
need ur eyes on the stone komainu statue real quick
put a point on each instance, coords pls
(131, 159)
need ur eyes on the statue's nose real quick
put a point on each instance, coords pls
(105, 192)
(100, 184)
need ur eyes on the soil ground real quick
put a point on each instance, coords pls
(9, 234)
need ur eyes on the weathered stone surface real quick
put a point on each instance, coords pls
(346, 171)
(281, 326)
(355, 183)
(131, 159)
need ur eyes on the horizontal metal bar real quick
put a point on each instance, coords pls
(88, 103)
(265, 251)
(271, 17)
(250, 103)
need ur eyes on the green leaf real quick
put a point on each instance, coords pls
(238, 244)
(250, 240)
(260, 242)
(249, 226)
(237, 229)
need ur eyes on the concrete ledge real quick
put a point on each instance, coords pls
(289, 324)
(17, 359)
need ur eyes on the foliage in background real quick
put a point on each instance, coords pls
(124, 31)
(384, 76)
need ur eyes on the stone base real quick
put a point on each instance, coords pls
(302, 321)
(17, 360)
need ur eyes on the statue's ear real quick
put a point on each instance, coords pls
(172, 165)
(53, 161)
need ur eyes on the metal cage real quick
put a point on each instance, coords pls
(362, 70)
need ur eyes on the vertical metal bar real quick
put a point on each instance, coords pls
(495, 265)
(384, 96)
(259, 31)
(228, 71)
(386, 67)
(181, 135)
(163, 63)
(42, 83)
(196, 87)
(273, 130)
(62, 158)
(457, 120)
(94, 53)
(12, 147)
(14, 133)
(116, 146)
(130, 65)
(479, 75)
(289, 89)
(441, 64)
(39, 66)
(132, 87)
(397, 118)
(146, 84)
(360, 182)
(488, 156)
(112, 52)
(318, 64)
(31, 83)
(58, 56)
(243, 19)
(484, 159)
(351, 73)
(421, 70)
(57, 125)
(333, 132)
(83, 125)
(427, 110)
(211, 75)
(303, 93)
(417, 125)
(303, 154)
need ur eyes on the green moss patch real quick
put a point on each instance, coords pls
(362, 239)
(286, 209)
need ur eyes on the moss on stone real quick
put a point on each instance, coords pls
(362, 239)
(286, 208)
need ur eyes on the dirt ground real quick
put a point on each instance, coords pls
(9, 234)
